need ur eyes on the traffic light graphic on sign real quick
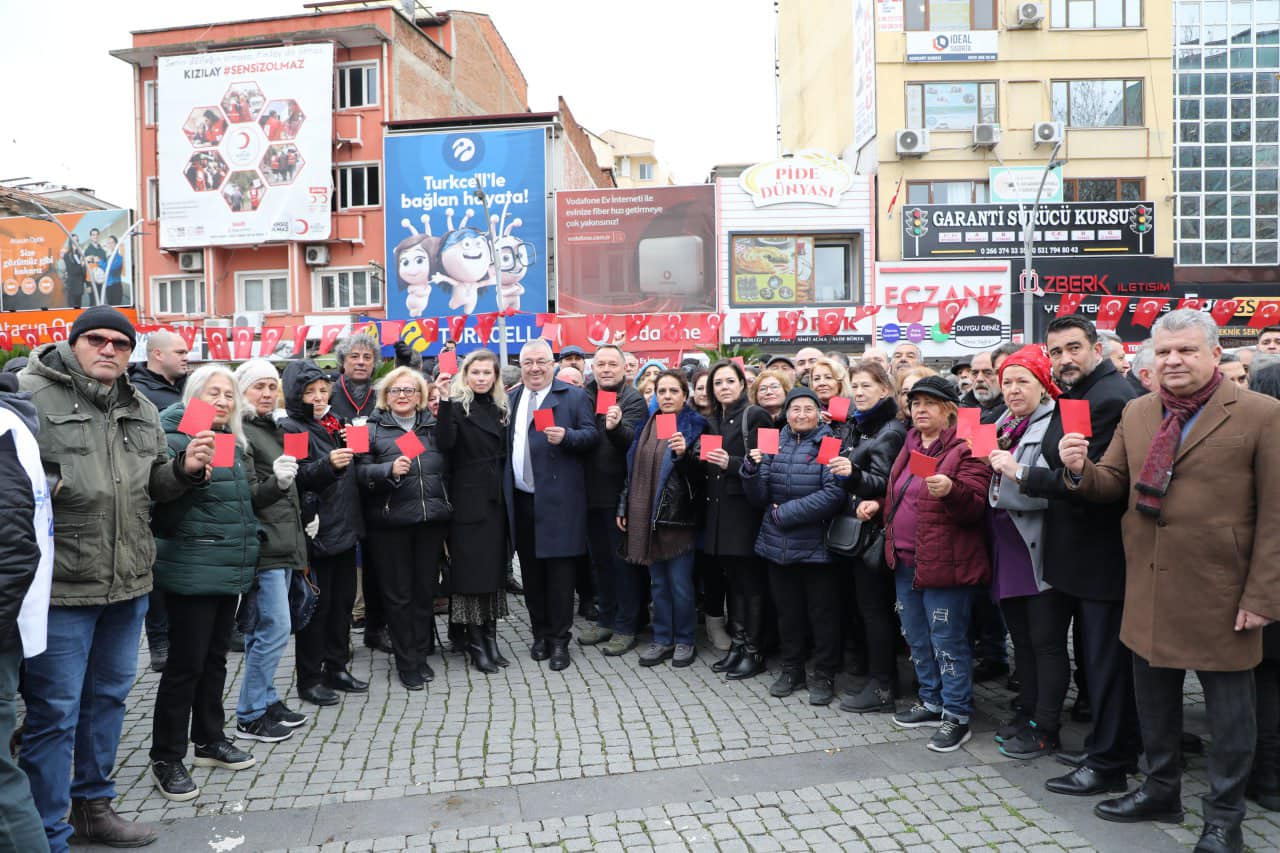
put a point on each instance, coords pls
(1141, 218)
(917, 225)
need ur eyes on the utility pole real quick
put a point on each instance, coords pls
(1029, 281)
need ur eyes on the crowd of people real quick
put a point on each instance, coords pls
(818, 508)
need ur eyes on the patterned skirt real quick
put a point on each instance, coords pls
(478, 609)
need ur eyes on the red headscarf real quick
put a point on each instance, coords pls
(1033, 358)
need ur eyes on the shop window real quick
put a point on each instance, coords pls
(357, 186)
(1103, 189)
(178, 295)
(951, 14)
(153, 199)
(342, 290)
(783, 270)
(150, 103)
(947, 192)
(950, 106)
(646, 172)
(1095, 14)
(1098, 103)
(263, 291)
(357, 85)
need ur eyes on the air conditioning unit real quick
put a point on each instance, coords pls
(248, 318)
(986, 135)
(217, 323)
(911, 142)
(316, 256)
(191, 261)
(1029, 16)
(1047, 132)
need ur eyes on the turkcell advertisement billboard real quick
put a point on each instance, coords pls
(439, 262)
(244, 141)
(42, 268)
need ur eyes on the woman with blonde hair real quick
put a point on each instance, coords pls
(829, 379)
(769, 391)
(406, 499)
(472, 430)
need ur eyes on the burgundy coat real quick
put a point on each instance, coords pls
(951, 539)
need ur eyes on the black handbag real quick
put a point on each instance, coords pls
(850, 536)
(304, 595)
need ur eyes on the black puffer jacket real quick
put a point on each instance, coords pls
(419, 496)
(155, 387)
(872, 445)
(797, 495)
(333, 494)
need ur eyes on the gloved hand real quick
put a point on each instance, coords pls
(285, 468)
(404, 354)
(313, 527)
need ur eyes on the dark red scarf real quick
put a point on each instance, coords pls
(1157, 469)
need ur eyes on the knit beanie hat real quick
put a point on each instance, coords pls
(102, 317)
(253, 370)
(800, 392)
(1033, 359)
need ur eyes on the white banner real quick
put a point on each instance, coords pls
(244, 140)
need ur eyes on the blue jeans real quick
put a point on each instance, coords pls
(75, 693)
(675, 613)
(936, 624)
(264, 644)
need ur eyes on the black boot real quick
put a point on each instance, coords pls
(1264, 782)
(477, 651)
(731, 658)
(491, 644)
(457, 638)
(751, 663)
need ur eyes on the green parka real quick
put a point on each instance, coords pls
(284, 545)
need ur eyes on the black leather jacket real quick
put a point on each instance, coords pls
(872, 445)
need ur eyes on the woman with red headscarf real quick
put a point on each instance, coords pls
(1037, 615)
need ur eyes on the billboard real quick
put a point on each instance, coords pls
(244, 141)
(639, 251)
(438, 256)
(954, 45)
(42, 269)
(976, 294)
(985, 231)
(864, 75)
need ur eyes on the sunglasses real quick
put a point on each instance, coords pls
(100, 342)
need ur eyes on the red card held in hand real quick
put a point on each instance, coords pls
(605, 400)
(197, 418)
(966, 419)
(921, 465)
(358, 439)
(1075, 416)
(447, 363)
(295, 444)
(828, 450)
(224, 450)
(708, 443)
(983, 440)
(543, 418)
(838, 408)
(666, 426)
(410, 445)
(767, 440)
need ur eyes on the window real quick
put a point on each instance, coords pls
(357, 85)
(178, 295)
(341, 290)
(357, 186)
(780, 270)
(1103, 189)
(947, 192)
(1098, 103)
(262, 291)
(951, 14)
(1096, 14)
(950, 106)
(646, 171)
(153, 199)
(150, 103)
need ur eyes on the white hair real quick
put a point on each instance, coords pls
(536, 343)
(1144, 358)
(195, 385)
(1188, 318)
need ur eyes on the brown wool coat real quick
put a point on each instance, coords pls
(1216, 546)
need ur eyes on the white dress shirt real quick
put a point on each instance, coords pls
(529, 402)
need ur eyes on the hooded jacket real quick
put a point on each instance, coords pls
(420, 496)
(155, 387)
(333, 494)
(23, 505)
(106, 459)
(284, 544)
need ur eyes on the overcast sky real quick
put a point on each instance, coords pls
(696, 75)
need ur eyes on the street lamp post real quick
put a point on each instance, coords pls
(1029, 281)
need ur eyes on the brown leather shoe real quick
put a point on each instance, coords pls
(95, 821)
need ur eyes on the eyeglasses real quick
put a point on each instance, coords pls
(542, 362)
(401, 392)
(100, 342)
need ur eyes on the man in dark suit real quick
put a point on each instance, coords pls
(1084, 559)
(546, 490)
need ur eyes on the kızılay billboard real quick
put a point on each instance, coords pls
(42, 269)
(639, 251)
(244, 142)
(437, 249)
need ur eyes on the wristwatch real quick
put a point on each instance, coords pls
(1019, 474)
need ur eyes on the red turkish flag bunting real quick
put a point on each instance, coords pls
(58, 334)
(829, 321)
(1149, 308)
(329, 336)
(989, 303)
(1069, 304)
(861, 312)
(430, 329)
(188, 334)
(636, 324)
(948, 311)
(672, 327)
(484, 326)
(598, 327)
(788, 325)
(550, 333)
(749, 323)
(1110, 310)
(1223, 310)
(1190, 302)
(242, 342)
(389, 332)
(298, 334)
(457, 323)
(31, 339)
(217, 340)
(544, 319)
(910, 312)
(1265, 314)
(711, 325)
(270, 340)
(5, 343)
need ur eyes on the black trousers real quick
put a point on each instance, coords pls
(712, 584)
(371, 585)
(1229, 701)
(408, 560)
(875, 595)
(1038, 624)
(808, 599)
(1115, 741)
(747, 579)
(1267, 677)
(189, 697)
(548, 583)
(324, 642)
(986, 628)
